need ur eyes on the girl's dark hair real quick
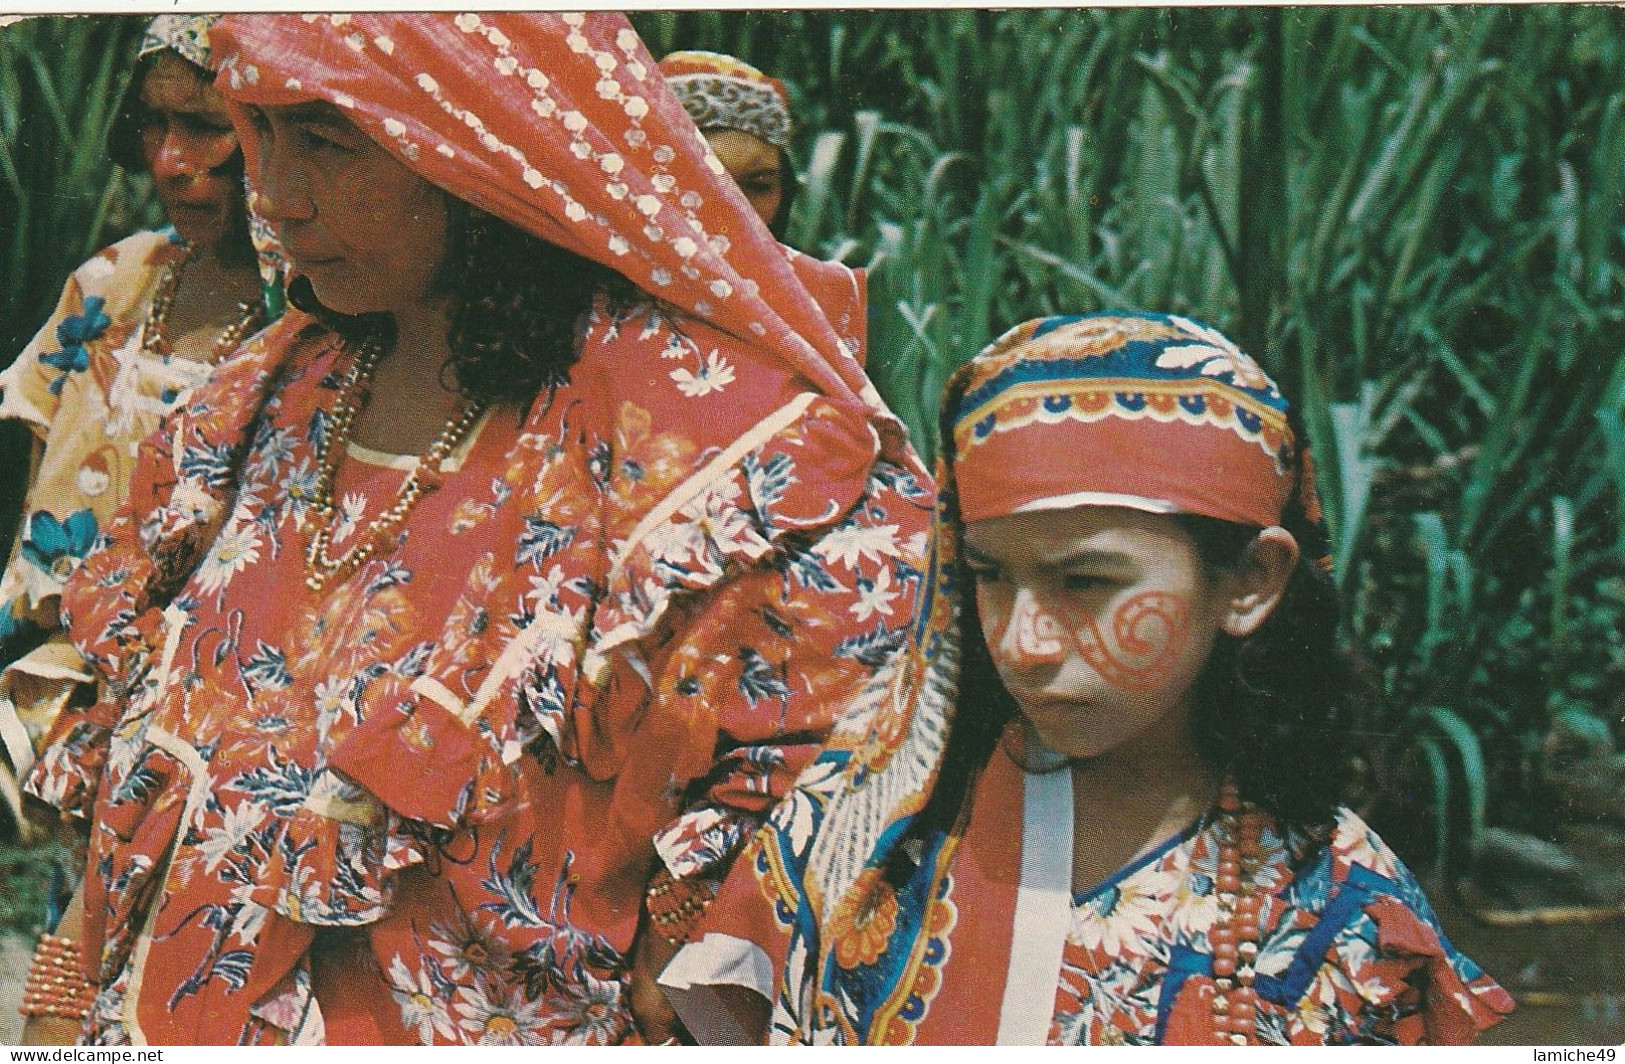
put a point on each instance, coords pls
(1275, 709)
(517, 307)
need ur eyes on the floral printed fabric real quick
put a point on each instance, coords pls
(1350, 951)
(90, 394)
(632, 613)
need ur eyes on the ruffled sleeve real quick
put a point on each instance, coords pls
(113, 607)
(1454, 999)
(1411, 985)
(71, 355)
(746, 608)
(109, 609)
(713, 558)
(743, 941)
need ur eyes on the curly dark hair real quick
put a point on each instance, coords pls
(517, 312)
(1275, 710)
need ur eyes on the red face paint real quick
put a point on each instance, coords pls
(1149, 632)
(1038, 636)
(1099, 622)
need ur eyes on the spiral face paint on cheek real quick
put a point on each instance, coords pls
(1038, 635)
(1149, 633)
(1023, 635)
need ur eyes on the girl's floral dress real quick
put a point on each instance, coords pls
(1351, 952)
(955, 943)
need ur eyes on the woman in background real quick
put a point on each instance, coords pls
(745, 116)
(136, 327)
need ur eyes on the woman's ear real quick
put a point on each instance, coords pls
(1259, 580)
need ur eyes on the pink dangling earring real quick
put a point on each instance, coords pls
(1023, 746)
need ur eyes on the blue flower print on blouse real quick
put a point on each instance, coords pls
(57, 546)
(74, 334)
(10, 623)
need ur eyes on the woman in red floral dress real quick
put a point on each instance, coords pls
(459, 632)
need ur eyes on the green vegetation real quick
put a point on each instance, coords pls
(1412, 217)
(60, 199)
(28, 876)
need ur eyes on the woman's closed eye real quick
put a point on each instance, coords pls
(317, 140)
(259, 124)
(201, 126)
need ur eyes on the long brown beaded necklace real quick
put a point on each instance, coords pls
(155, 336)
(323, 570)
(1234, 936)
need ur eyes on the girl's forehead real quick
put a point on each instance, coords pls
(1098, 534)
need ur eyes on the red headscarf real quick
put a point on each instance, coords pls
(562, 125)
(1149, 411)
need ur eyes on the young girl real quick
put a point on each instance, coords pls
(1097, 802)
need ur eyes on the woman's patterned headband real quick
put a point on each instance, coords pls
(720, 92)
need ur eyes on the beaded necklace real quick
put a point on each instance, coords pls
(155, 337)
(1234, 936)
(322, 569)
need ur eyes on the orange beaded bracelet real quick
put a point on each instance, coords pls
(676, 905)
(56, 986)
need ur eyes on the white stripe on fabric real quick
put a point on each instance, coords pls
(1099, 498)
(1043, 910)
(709, 474)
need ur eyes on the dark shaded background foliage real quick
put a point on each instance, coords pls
(1413, 217)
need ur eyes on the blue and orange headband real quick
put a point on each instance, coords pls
(1152, 412)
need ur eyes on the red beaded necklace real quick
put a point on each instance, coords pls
(1234, 936)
